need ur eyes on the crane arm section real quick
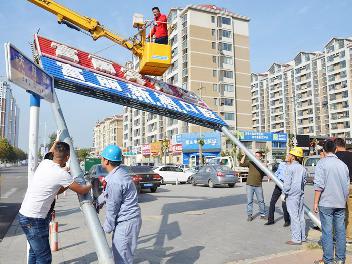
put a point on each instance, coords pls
(88, 24)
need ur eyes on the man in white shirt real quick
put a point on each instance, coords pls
(49, 179)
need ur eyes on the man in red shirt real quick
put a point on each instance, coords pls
(159, 29)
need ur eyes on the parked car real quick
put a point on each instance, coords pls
(309, 163)
(144, 178)
(172, 174)
(96, 175)
(212, 175)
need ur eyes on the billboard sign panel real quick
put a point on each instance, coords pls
(189, 141)
(145, 149)
(248, 135)
(26, 74)
(176, 149)
(87, 74)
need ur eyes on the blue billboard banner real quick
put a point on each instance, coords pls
(85, 82)
(248, 135)
(189, 141)
(26, 74)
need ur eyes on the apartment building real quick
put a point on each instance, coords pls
(108, 131)
(309, 95)
(210, 56)
(9, 114)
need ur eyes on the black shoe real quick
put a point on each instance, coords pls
(250, 218)
(287, 224)
(269, 223)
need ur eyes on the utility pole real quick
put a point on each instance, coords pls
(200, 139)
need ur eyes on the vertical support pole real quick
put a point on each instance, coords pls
(260, 165)
(98, 236)
(34, 108)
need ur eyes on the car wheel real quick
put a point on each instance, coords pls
(153, 189)
(210, 184)
(231, 185)
(194, 182)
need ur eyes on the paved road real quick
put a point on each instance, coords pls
(13, 185)
(186, 224)
(181, 224)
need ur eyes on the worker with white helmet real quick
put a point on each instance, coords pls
(294, 190)
(123, 215)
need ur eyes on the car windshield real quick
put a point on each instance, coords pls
(312, 162)
(141, 169)
(101, 170)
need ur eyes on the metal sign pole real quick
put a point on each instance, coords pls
(102, 247)
(250, 155)
(33, 140)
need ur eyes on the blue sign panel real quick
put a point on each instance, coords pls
(280, 137)
(262, 136)
(189, 141)
(89, 83)
(26, 74)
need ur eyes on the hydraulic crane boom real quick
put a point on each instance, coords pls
(154, 58)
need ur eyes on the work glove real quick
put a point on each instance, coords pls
(58, 135)
(283, 197)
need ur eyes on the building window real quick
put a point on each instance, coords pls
(215, 87)
(226, 20)
(227, 60)
(214, 59)
(227, 101)
(228, 74)
(214, 73)
(213, 32)
(213, 45)
(226, 33)
(225, 46)
(229, 116)
(212, 19)
(228, 87)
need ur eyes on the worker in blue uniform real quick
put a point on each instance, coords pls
(123, 215)
(295, 180)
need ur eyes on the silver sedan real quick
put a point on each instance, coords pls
(212, 175)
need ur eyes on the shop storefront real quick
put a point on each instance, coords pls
(190, 146)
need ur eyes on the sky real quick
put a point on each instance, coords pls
(278, 31)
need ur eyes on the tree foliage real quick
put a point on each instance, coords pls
(83, 153)
(9, 153)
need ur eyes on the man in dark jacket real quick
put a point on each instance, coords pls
(254, 185)
(346, 157)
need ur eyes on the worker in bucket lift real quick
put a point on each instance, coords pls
(123, 215)
(293, 189)
(159, 29)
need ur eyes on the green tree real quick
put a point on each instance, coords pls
(9, 153)
(201, 143)
(6, 151)
(20, 154)
(83, 153)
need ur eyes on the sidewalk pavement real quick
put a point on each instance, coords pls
(76, 245)
(304, 256)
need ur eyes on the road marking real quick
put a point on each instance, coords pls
(9, 193)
